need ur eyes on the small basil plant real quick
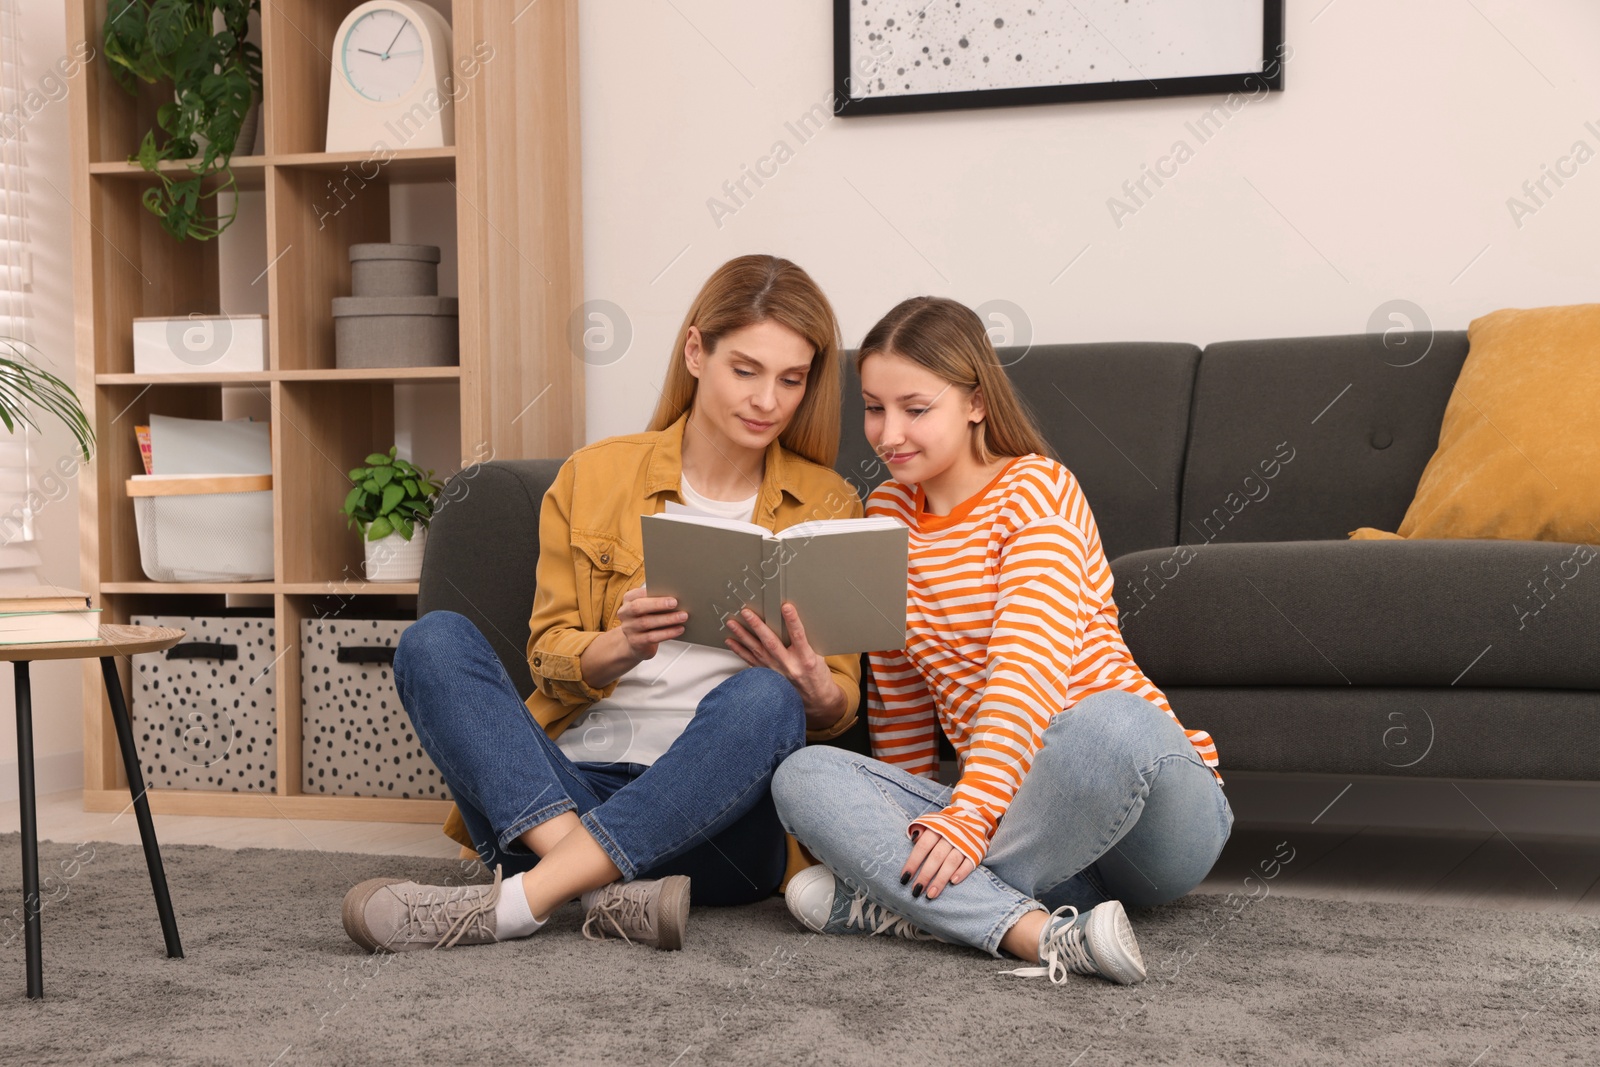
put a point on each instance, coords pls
(390, 495)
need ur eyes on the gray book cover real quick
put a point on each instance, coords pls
(846, 578)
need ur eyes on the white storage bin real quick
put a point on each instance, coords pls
(199, 344)
(356, 737)
(203, 710)
(204, 527)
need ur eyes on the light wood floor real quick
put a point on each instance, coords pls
(1481, 869)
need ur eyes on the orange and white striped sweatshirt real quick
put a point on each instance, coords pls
(1009, 621)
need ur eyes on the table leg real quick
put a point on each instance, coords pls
(141, 805)
(30, 831)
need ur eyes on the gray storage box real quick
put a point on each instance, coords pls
(356, 737)
(204, 711)
(396, 331)
(394, 270)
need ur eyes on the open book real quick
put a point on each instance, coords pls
(846, 577)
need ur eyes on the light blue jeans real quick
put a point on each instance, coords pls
(1117, 806)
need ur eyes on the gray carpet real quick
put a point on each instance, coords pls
(270, 978)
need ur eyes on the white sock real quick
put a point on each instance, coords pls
(512, 918)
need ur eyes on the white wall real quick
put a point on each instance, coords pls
(1381, 172)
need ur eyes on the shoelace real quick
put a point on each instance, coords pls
(864, 912)
(430, 910)
(627, 904)
(1064, 951)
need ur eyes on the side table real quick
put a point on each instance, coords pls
(115, 640)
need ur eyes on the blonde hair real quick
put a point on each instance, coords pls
(750, 290)
(947, 338)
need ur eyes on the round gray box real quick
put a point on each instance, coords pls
(395, 331)
(394, 270)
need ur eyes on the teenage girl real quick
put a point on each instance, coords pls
(1079, 790)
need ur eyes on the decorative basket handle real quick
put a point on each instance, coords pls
(203, 650)
(365, 654)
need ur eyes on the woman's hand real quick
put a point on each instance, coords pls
(645, 621)
(756, 644)
(934, 863)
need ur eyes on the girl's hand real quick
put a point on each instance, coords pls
(756, 644)
(934, 863)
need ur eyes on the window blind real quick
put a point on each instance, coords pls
(19, 558)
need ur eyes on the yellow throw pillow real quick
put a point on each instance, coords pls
(1519, 450)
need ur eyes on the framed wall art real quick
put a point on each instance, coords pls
(895, 56)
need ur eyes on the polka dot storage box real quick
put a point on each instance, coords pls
(205, 711)
(356, 737)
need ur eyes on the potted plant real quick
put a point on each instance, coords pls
(24, 384)
(199, 47)
(391, 502)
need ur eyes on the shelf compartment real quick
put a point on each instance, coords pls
(324, 430)
(141, 271)
(311, 230)
(117, 409)
(296, 45)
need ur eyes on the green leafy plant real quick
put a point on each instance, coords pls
(24, 384)
(390, 496)
(214, 74)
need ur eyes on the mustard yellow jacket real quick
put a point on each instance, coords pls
(591, 552)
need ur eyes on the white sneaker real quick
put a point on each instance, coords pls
(1098, 942)
(812, 899)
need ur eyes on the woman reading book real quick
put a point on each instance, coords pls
(639, 762)
(1078, 789)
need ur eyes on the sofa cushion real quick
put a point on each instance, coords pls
(1308, 438)
(1117, 414)
(1364, 613)
(483, 552)
(1455, 732)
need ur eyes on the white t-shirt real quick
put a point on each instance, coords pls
(653, 703)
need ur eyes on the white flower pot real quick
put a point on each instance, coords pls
(394, 559)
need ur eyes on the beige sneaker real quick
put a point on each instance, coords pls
(651, 911)
(393, 915)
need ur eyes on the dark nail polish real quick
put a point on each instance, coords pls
(904, 878)
(914, 835)
(916, 890)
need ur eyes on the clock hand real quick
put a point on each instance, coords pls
(370, 52)
(397, 33)
(413, 52)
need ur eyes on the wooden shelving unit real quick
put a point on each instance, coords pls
(514, 171)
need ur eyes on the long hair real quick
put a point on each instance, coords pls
(753, 289)
(947, 338)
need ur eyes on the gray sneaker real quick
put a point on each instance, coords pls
(813, 897)
(393, 915)
(1099, 941)
(651, 911)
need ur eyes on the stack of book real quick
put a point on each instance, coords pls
(45, 613)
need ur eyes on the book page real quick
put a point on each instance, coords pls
(823, 527)
(700, 518)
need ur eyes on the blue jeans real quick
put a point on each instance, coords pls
(704, 809)
(1117, 806)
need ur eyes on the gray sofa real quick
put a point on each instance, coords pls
(1224, 482)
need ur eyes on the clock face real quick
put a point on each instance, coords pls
(382, 55)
